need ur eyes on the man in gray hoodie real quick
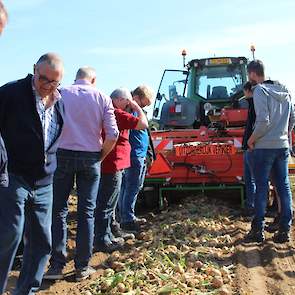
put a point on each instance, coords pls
(269, 143)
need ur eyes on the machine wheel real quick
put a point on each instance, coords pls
(151, 197)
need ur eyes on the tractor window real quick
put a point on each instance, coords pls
(173, 85)
(219, 82)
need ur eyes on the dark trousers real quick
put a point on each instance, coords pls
(250, 185)
(108, 195)
(132, 183)
(85, 166)
(273, 161)
(35, 221)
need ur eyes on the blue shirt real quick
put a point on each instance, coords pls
(139, 141)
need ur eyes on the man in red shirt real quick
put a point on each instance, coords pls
(112, 169)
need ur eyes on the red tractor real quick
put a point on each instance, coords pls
(199, 116)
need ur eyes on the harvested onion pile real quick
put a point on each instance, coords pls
(185, 250)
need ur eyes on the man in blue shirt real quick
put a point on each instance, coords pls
(133, 179)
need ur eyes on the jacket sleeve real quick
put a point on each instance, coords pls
(3, 153)
(292, 116)
(262, 122)
(247, 134)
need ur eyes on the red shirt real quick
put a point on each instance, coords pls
(119, 157)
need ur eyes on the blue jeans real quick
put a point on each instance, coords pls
(85, 166)
(35, 221)
(249, 180)
(107, 199)
(132, 183)
(273, 161)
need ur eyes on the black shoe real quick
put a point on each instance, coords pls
(107, 248)
(255, 236)
(273, 227)
(131, 227)
(54, 273)
(271, 212)
(282, 237)
(119, 233)
(248, 212)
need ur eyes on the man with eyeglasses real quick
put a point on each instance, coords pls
(31, 121)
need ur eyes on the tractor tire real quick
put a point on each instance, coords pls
(151, 199)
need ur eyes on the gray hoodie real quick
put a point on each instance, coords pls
(275, 117)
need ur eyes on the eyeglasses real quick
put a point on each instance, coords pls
(44, 80)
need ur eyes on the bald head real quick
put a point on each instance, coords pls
(86, 73)
(3, 17)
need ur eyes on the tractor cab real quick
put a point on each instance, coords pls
(191, 98)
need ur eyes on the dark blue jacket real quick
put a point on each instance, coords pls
(21, 130)
(249, 123)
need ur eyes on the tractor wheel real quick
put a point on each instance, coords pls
(151, 198)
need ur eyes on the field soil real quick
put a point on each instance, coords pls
(202, 238)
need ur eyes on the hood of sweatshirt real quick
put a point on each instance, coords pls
(276, 90)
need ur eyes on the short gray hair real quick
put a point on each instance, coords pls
(86, 73)
(121, 92)
(52, 59)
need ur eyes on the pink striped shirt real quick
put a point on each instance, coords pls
(87, 112)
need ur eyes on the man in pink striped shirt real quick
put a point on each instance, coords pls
(80, 153)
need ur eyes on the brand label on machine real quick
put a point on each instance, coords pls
(208, 149)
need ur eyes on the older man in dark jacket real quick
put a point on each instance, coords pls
(31, 120)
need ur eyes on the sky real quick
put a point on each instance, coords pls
(132, 42)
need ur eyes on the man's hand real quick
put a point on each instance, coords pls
(107, 147)
(248, 93)
(143, 122)
(149, 161)
(134, 105)
(251, 143)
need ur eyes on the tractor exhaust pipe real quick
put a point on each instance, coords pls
(252, 48)
(183, 53)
